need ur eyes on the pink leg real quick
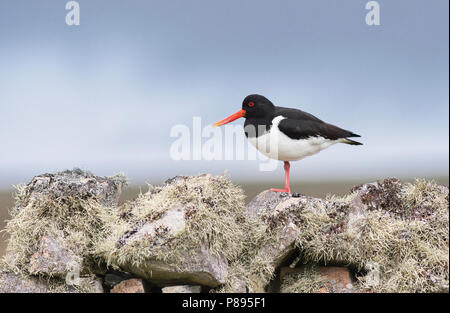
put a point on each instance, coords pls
(287, 187)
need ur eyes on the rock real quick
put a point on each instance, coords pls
(338, 280)
(51, 259)
(277, 210)
(385, 195)
(289, 270)
(171, 223)
(278, 252)
(182, 289)
(114, 277)
(22, 283)
(198, 267)
(375, 224)
(76, 183)
(15, 283)
(331, 279)
(266, 200)
(195, 232)
(133, 285)
(176, 180)
(168, 241)
(96, 286)
(280, 212)
(55, 222)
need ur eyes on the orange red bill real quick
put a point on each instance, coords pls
(232, 117)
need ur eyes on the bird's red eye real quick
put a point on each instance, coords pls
(250, 104)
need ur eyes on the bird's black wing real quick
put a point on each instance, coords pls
(301, 125)
(296, 114)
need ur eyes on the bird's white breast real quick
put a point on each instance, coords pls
(276, 145)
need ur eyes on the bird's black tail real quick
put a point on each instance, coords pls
(351, 142)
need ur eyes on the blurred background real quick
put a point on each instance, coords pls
(103, 96)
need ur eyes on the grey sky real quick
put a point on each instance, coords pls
(104, 95)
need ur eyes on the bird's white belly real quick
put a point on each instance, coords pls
(276, 145)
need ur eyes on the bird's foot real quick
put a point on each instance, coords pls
(288, 190)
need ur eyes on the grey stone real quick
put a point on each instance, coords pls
(171, 222)
(280, 209)
(266, 200)
(182, 289)
(51, 258)
(97, 286)
(75, 183)
(15, 283)
(133, 285)
(199, 267)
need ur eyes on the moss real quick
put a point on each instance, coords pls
(250, 268)
(409, 244)
(71, 206)
(405, 235)
(87, 284)
(42, 283)
(403, 230)
(214, 215)
(76, 221)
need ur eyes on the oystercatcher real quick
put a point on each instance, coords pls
(286, 134)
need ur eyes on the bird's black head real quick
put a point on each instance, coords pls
(253, 106)
(257, 106)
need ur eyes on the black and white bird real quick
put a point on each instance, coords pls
(286, 134)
